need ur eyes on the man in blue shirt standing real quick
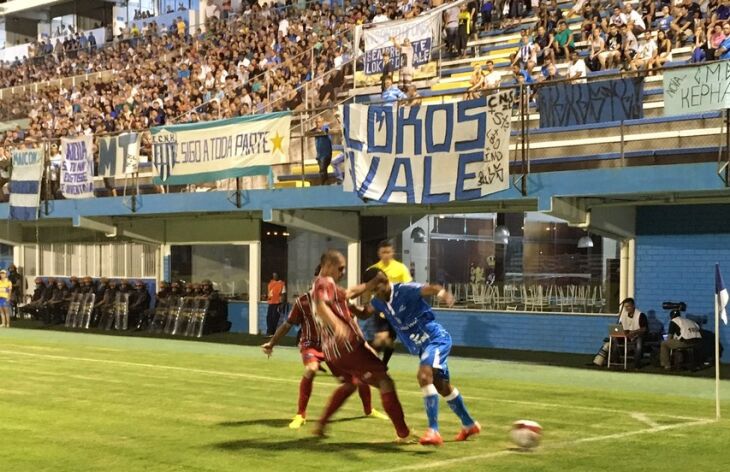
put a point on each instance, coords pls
(413, 320)
(323, 145)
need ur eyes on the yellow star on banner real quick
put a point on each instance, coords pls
(277, 141)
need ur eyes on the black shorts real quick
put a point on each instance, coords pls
(380, 324)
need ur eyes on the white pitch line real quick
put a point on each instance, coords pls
(295, 381)
(641, 417)
(607, 437)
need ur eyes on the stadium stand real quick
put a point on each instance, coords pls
(225, 68)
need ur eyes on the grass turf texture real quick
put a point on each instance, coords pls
(73, 402)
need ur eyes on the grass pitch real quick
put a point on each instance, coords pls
(82, 402)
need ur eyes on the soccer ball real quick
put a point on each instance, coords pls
(526, 434)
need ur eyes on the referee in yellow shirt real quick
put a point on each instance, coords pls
(6, 289)
(397, 272)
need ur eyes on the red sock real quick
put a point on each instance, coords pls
(305, 391)
(393, 408)
(367, 403)
(336, 400)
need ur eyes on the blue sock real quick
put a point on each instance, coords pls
(431, 402)
(456, 402)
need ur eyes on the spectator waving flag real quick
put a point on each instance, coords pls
(721, 294)
(25, 184)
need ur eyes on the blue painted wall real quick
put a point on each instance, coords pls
(676, 251)
(513, 330)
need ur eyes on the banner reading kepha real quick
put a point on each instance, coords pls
(116, 153)
(428, 154)
(77, 167)
(423, 33)
(205, 152)
(697, 89)
(25, 184)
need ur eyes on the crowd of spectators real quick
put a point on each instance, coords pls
(256, 61)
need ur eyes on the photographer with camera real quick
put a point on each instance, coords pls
(683, 333)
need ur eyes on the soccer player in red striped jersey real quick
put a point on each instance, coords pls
(344, 347)
(311, 349)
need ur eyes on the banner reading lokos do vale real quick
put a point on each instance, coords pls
(428, 154)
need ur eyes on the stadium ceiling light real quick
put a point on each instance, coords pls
(418, 235)
(585, 242)
(501, 234)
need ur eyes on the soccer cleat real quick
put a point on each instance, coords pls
(297, 422)
(431, 438)
(376, 414)
(470, 431)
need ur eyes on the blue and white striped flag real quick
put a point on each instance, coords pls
(721, 294)
(25, 184)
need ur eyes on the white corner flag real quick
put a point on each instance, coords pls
(721, 294)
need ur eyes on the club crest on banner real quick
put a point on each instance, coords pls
(164, 149)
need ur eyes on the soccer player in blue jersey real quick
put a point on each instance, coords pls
(404, 306)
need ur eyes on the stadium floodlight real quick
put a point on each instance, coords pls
(501, 234)
(585, 242)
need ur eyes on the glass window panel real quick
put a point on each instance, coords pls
(226, 265)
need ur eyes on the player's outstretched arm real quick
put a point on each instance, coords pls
(362, 312)
(329, 318)
(281, 331)
(360, 289)
(429, 290)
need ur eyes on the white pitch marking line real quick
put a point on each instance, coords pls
(275, 379)
(457, 460)
(641, 417)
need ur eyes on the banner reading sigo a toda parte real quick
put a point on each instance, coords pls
(223, 149)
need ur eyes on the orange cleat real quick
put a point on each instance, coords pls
(431, 438)
(472, 430)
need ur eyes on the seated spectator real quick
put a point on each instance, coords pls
(723, 52)
(714, 39)
(646, 55)
(635, 326)
(664, 23)
(526, 55)
(550, 72)
(664, 52)
(634, 20)
(682, 31)
(577, 72)
(618, 18)
(414, 98)
(544, 41)
(492, 79)
(391, 93)
(564, 44)
(611, 56)
(647, 9)
(630, 45)
(476, 83)
(699, 51)
(591, 20)
(598, 45)
(682, 333)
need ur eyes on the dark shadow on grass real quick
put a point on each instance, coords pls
(276, 422)
(321, 445)
(270, 422)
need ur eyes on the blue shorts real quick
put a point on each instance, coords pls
(435, 354)
(4, 302)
